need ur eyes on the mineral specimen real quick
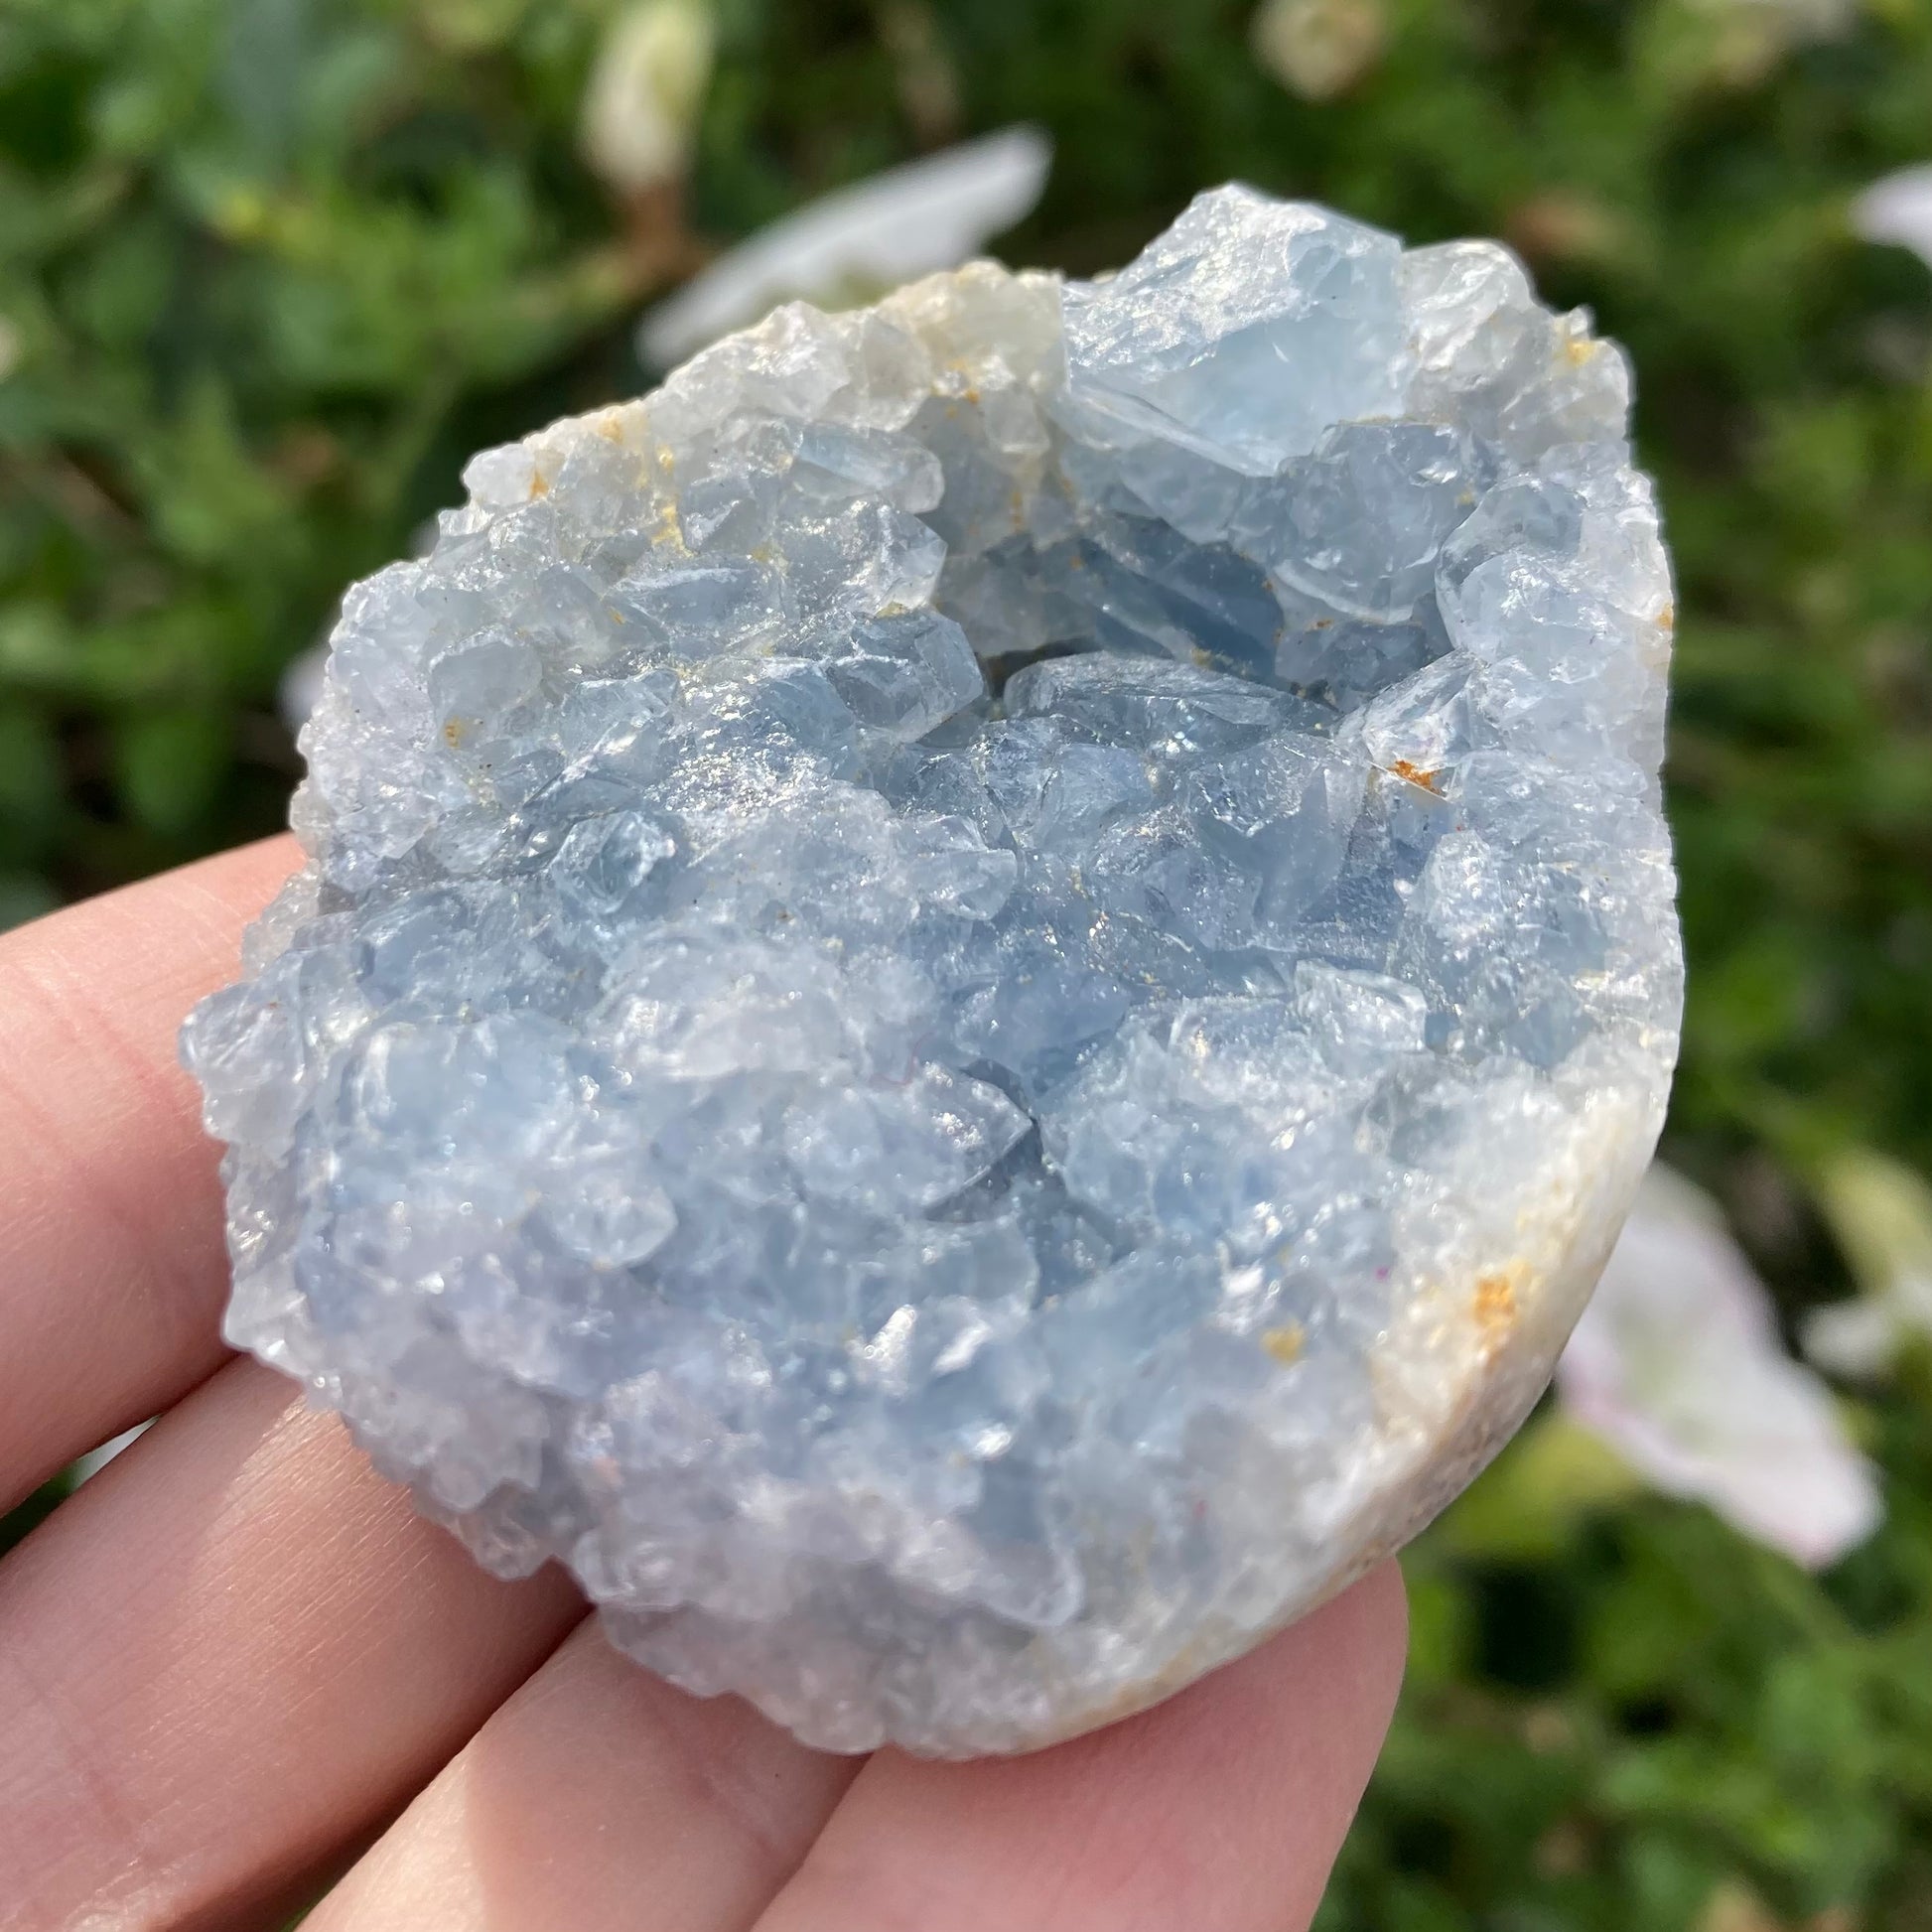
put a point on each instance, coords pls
(977, 992)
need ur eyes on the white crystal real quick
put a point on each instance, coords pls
(978, 991)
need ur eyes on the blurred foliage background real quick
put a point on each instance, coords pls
(270, 269)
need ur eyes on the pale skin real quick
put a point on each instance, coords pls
(237, 1666)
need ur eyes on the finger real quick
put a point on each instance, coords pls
(228, 1661)
(1220, 1810)
(111, 1265)
(602, 1800)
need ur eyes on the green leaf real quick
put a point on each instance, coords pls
(1538, 1495)
(23, 897)
(33, 781)
(169, 767)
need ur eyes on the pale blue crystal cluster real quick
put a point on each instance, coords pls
(977, 991)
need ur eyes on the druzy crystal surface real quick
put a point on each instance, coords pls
(977, 991)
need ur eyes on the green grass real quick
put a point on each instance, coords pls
(32, 1513)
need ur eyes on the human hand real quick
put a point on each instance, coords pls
(237, 1659)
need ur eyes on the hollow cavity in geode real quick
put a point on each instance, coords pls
(977, 991)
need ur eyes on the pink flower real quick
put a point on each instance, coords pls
(1678, 1366)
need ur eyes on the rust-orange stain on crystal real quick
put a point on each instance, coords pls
(1496, 1304)
(1285, 1343)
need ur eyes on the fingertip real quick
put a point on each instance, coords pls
(1220, 1809)
(1375, 1614)
(110, 1211)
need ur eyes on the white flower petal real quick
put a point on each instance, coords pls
(646, 93)
(1855, 1339)
(1881, 1213)
(1319, 49)
(300, 690)
(910, 221)
(1898, 209)
(1678, 1366)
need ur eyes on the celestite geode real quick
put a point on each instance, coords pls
(978, 991)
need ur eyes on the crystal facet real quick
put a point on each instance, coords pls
(977, 992)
